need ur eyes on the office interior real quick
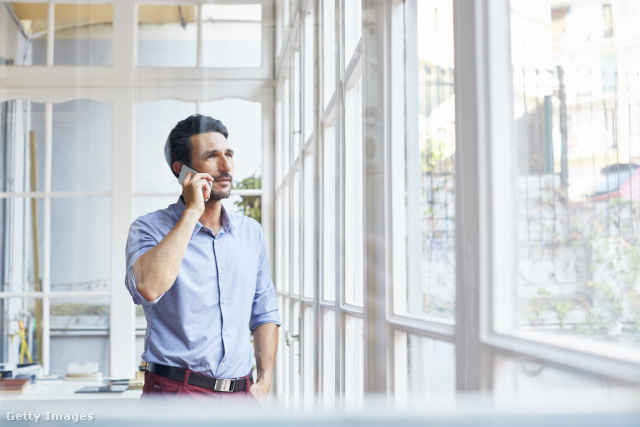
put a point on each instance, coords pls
(449, 189)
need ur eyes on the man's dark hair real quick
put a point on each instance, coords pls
(178, 145)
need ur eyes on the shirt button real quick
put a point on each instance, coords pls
(222, 364)
(224, 301)
(224, 333)
(221, 271)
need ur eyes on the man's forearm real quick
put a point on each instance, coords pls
(265, 343)
(156, 270)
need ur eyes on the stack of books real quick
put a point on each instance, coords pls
(14, 385)
(83, 372)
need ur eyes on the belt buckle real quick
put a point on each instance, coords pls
(223, 385)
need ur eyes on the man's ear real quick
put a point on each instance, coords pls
(176, 167)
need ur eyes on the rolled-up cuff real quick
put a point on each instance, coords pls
(265, 318)
(133, 290)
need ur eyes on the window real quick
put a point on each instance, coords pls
(82, 36)
(29, 22)
(83, 136)
(231, 28)
(416, 190)
(576, 202)
(56, 241)
(167, 36)
(431, 170)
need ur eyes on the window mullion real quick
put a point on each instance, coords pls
(50, 33)
(199, 43)
(122, 358)
(376, 16)
(46, 241)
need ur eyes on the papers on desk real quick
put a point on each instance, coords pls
(103, 389)
(83, 372)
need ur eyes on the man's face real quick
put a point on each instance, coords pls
(212, 153)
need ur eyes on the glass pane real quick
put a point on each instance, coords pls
(21, 250)
(24, 39)
(22, 156)
(431, 288)
(308, 75)
(286, 129)
(353, 189)
(243, 120)
(279, 26)
(308, 357)
(232, 35)
(286, 216)
(431, 367)
(141, 324)
(352, 29)
(296, 372)
(83, 35)
(354, 362)
(329, 211)
(578, 175)
(286, 350)
(21, 332)
(308, 225)
(154, 122)
(143, 205)
(520, 379)
(296, 232)
(279, 142)
(297, 100)
(329, 49)
(167, 36)
(69, 314)
(280, 224)
(80, 244)
(79, 333)
(329, 360)
(250, 206)
(81, 146)
(281, 375)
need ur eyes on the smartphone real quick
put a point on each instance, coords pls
(183, 174)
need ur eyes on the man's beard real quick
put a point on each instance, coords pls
(219, 195)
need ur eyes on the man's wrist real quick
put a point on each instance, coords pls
(191, 214)
(264, 378)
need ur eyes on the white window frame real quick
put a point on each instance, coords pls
(123, 85)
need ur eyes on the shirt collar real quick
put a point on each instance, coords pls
(227, 223)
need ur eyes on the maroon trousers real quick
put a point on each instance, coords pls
(158, 386)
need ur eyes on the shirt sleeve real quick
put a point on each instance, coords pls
(265, 300)
(140, 240)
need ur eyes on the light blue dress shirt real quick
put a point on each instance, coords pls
(223, 289)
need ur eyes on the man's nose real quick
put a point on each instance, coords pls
(224, 165)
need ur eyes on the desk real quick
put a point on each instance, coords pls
(65, 390)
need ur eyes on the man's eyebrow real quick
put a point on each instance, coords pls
(210, 152)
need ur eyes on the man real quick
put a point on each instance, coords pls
(202, 276)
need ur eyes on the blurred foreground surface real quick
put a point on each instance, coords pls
(615, 407)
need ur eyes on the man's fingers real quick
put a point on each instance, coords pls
(190, 177)
(207, 191)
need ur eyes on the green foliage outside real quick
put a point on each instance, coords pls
(250, 205)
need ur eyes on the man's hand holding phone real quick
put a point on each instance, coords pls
(196, 187)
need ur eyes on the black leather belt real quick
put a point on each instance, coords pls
(227, 385)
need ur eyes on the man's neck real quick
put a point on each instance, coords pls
(211, 217)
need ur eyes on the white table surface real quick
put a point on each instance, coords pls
(65, 390)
